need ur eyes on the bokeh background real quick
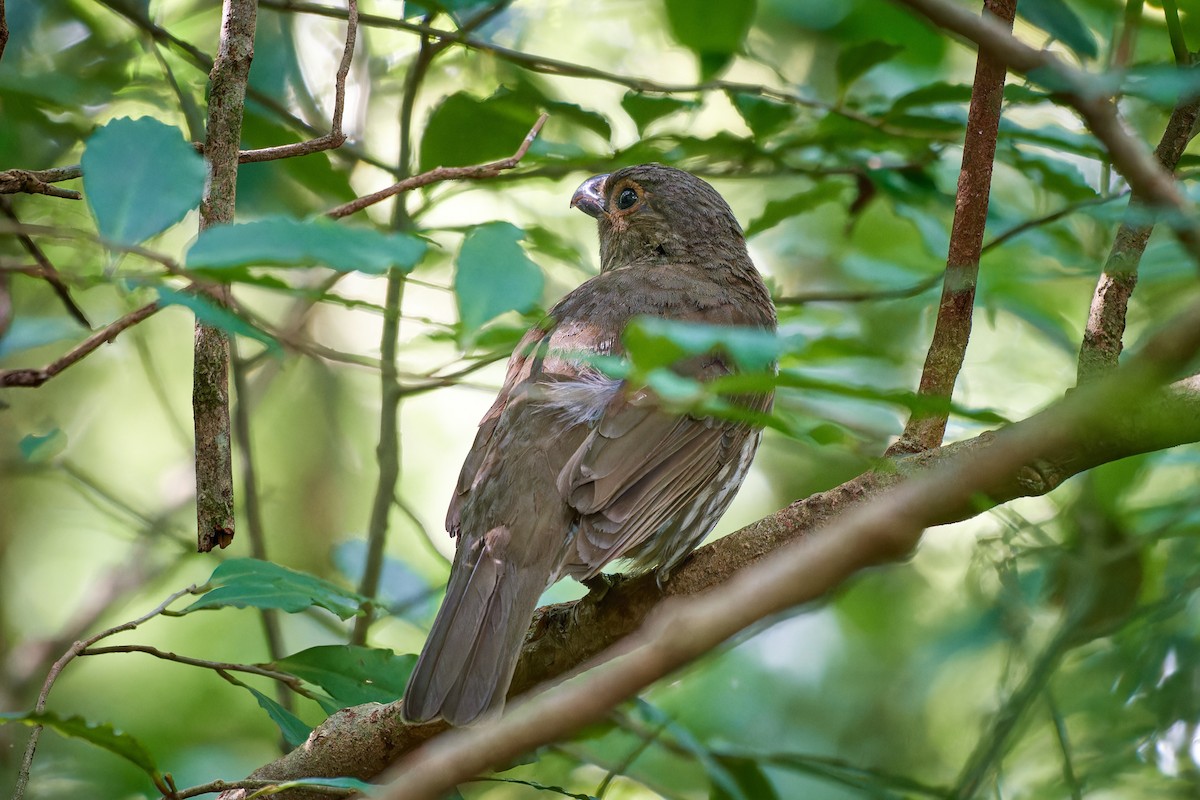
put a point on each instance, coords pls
(844, 179)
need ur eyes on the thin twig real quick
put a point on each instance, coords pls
(1064, 746)
(1179, 47)
(285, 678)
(57, 668)
(864, 296)
(1046, 219)
(48, 272)
(36, 377)
(952, 331)
(29, 181)
(440, 174)
(1102, 338)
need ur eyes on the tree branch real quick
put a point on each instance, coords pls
(362, 741)
(41, 181)
(952, 330)
(1101, 346)
(210, 387)
(47, 271)
(31, 378)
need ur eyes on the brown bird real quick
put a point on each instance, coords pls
(573, 469)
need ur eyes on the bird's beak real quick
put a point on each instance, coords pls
(589, 197)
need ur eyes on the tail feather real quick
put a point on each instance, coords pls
(468, 660)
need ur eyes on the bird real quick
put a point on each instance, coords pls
(572, 468)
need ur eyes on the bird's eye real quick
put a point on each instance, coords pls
(626, 199)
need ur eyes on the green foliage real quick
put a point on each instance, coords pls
(494, 275)
(283, 242)
(140, 178)
(712, 29)
(100, 734)
(352, 675)
(838, 147)
(250, 583)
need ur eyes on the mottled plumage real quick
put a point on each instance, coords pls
(572, 469)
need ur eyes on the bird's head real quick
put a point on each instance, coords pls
(652, 213)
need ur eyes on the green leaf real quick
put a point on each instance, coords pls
(779, 210)
(29, 331)
(140, 178)
(211, 313)
(712, 29)
(39, 449)
(653, 343)
(493, 275)
(762, 115)
(100, 734)
(644, 109)
(464, 129)
(854, 62)
(749, 777)
(722, 780)
(1056, 18)
(294, 731)
(352, 675)
(286, 242)
(250, 583)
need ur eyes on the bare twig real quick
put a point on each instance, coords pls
(250, 669)
(36, 377)
(48, 272)
(41, 181)
(248, 787)
(1046, 219)
(210, 376)
(864, 296)
(1101, 346)
(67, 658)
(952, 330)
(440, 174)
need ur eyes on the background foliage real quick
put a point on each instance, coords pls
(843, 175)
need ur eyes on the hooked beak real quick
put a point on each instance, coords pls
(589, 197)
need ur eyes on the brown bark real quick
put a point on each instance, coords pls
(952, 331)
(210, 387)
(1102, 338)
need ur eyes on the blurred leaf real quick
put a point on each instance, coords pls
(294, 731)
(854, 62)
(465, 130)
(1056, 18)
(27, 332)
(217, 316)
(1162, 84)
(352, 675)
(1050, 172)
(722, 779)
(764, 116)
(140, 178)
(644, 109)
(459, 10)
(712, 29)
(285, 242)
(777, 211)
(100, 734)
(251, 583)
(401, 590)
(654, 342)
(749, 776)
(493, 275)
(39, 449)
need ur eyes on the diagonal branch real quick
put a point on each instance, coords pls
(1101, 345)
(952, 330)
(48, 272)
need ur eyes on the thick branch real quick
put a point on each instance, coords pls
(1101, 345)
(953, 328)
(362, 741)
(30, 181)
(210, 386)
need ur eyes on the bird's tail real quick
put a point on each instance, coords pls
(468, 660)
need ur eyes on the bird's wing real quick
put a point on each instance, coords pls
(483, 454)
(645, 472)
